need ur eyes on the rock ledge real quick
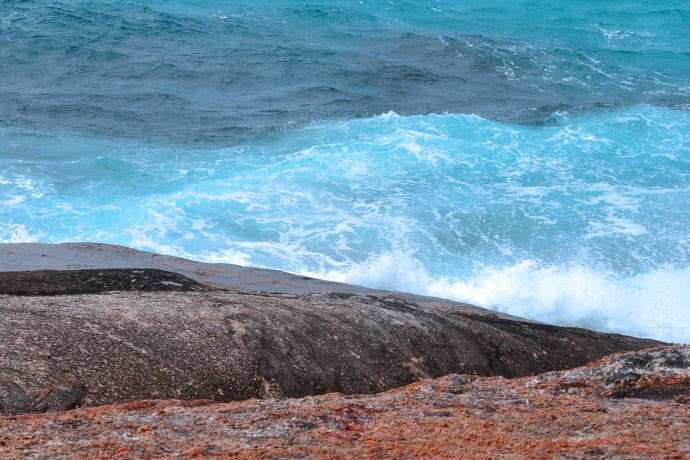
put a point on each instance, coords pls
(579, 413)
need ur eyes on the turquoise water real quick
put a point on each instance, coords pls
(522, 156)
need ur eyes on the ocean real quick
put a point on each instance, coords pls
(531, 157)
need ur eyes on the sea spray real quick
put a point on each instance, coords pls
(652, 304)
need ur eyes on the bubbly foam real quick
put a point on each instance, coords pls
(653, 304)
(17, 233)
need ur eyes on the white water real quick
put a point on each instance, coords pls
(653, 304)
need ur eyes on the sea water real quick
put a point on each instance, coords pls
(527, 156)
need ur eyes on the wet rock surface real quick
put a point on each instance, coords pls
(93, 281)
(574, 414)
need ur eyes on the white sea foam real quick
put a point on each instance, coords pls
(614, 225)
(225, 256)
(653, 304)
(15, 233)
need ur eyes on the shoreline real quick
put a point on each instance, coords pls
(237, 278)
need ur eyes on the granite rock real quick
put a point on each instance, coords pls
(571, 414)
(88, 332)
(58, 352)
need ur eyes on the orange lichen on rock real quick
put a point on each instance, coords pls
(631, 405)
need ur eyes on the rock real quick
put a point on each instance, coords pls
(224, 332)
(224, 346)
(656, 374)
(56, 282)
(567, 414)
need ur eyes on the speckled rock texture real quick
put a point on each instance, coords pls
(626, 406)
(60, 352)
(66, 282)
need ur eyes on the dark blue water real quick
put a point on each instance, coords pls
(526, 156)
(223, 74)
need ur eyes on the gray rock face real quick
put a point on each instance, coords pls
(64, 351)
(58, 352)
(56, 282)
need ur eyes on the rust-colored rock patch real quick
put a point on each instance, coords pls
(580, 413)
